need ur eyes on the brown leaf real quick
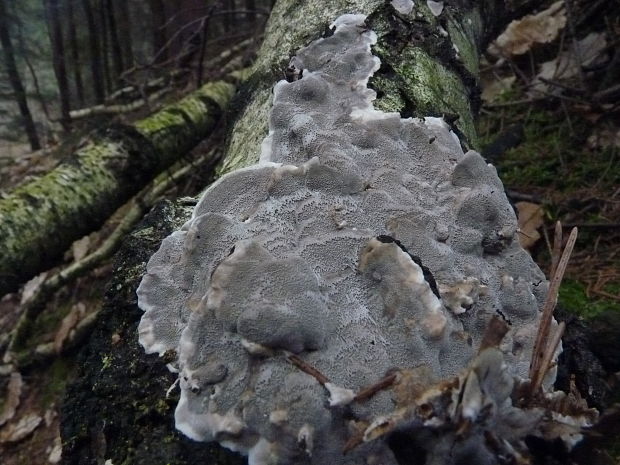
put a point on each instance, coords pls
(493, 88)
(605, 138)
(80, 248)
(587, 52)
(68, 323)
(15, 432)
(32, 287)
(521, 34)
(530, 218)
(11, 398)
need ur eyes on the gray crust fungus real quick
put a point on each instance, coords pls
(311, 251)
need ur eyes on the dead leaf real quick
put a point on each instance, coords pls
(68, 323)
(491, 89)
(55, 453)
(15, 432)
(588, 52)
(530, 218)
(11, 398)
(32, 286)
(522, 34)
(50, 415)
(80, 248)
(604, 139)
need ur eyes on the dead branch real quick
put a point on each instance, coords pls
(545, 344)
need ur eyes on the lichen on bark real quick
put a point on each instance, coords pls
(417, 77)
(40, 219)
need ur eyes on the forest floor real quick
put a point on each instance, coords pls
(549, 122)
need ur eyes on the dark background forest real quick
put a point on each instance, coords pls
(549, 119)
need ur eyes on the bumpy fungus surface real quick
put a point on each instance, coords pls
(362, 243)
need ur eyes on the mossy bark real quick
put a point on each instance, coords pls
(429, 64)
(118, 409)
(40, 219)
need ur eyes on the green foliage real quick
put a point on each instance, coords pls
(574, 298)
(554, 153)
(57, 375)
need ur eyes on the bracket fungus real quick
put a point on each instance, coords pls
(315, 300)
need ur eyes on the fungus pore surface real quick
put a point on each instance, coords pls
(362, 243)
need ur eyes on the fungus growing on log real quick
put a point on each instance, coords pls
(315, 299)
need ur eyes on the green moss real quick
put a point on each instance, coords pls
(56, 377)
(251, 128)
(389, 99)
(554, 152)
(463, 33)
(573, 297)
(106, 361)
(434, 89)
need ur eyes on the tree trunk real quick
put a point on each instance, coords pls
(75, 54)
(250, 5)
(124, 30)
(420, 75)
(39, 220)
(58, 56)
(105, 45)
(117, 54)
(95, 52)
(158, 30)
(228, 18)
(15, 80)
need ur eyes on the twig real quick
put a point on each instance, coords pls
(118, 109)
(192, 23)
(543, 343)
(309, 369)
(557, 248)
(536, 381)
(552, 82)
(364, 394)
(369, 391)
(353, 442)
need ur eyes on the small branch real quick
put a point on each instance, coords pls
(118, 109)
(353, 442)
(309, 369)
(364, 394)
(369, 391)
(544, 344)
(557, 248)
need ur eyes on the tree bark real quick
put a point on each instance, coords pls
(105, 45)
(158, 30)
(15, 79)
(124, 30)
(420, 75)
(95, 52)
(117, 54)
(58, 56)
(39, 220)
(75, 54)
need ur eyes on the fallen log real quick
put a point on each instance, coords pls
(40, 219)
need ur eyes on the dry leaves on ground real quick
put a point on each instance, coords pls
(522, 34)
(530, 218)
